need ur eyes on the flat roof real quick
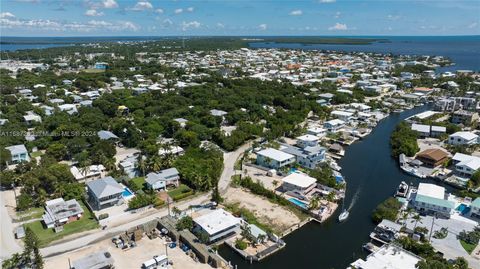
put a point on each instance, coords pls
(216, 221)
(275, 154)
(308, 137)
(465, 135)
(300, 180)
(431, 190)
(388, 256)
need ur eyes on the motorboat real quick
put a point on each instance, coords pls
(402, 190)
(343, 216)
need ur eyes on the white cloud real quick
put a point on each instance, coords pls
(338, 27)
(220, 25)
(51, 25)
(190, 25)
(262, 27)
(190, 9)
(472, 25)
(167, 23)
(142, 5)
(28, 1)
(394, 17)
(297, 12)
(178, 10)
(109, 4)
(337, 15)
(6, 15)
(159, 11)
(327, 1)
(93, 13)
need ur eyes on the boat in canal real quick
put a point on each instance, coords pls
(343, 216)
(402, 190)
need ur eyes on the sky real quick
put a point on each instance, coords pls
(238, 17)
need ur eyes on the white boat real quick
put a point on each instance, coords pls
(402, 190)
(343, 216)
(334, 166)
(412, 171)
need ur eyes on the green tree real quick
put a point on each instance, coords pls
(185, 223)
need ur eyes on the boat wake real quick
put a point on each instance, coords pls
(354, 199)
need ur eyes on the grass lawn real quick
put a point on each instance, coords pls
(468, 247)
(36, 154)
(181, 192)
(137, 183)
(46, 236)
(32, 213)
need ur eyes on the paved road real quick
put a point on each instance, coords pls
(229, 159)
(9, 245)
(110, 232)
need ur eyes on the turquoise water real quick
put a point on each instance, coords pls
(298, 203)
(292, 170)
(126, 192)
(463, 209)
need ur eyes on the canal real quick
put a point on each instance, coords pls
(372, 177)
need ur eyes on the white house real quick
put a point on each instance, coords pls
(342, 115)
(217, 224)
(59, 212)
(18, 153)
(162, 179)
(334, 126)
(463, 138)
(432, 199)
(307, 141)
(466, 165)
(299, 182)
(273, 158)
(389, 256)
(475, 208)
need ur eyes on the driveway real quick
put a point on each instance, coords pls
(229, 159)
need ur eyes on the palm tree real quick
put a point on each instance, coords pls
(275, 183)
(314, 202)
(417, 219)
(155, 163)
(141, 165)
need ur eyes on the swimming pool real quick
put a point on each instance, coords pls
(298, 203)
(463, 209)
(292, 170)
(126, 192)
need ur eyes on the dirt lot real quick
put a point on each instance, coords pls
(265, 211)
(128, 259)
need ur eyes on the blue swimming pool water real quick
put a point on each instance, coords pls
(292, 170)
(126, 192)
(298, 202)
(463, 208)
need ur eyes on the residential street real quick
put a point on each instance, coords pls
(229, 159)
(8, 245)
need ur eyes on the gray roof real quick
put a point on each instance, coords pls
(97, 260)
(164, 175)
(104, 187)
(58, 209)
(216, 112)
(105, 135)
(17, 149)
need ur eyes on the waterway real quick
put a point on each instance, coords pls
(372, 176)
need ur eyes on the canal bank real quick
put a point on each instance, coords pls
(372, 176)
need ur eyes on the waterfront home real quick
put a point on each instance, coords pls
(389, 256)
(259, 236)
(463, 138)
(308, 156)
(298, 182)
(307, 141)
(386, 231)
(59, 212)
(104, 192)
(106, 135)
(97, 260)
(429, 130)
(334, 125)
(465, 165)
(317, 131)
(273, 158)
(217, 224)
(432, 157)
(342, 115)
(475, 208)
(18, 153)
(87, 173)
(162, 179)
(464, 117)
(432, 199)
